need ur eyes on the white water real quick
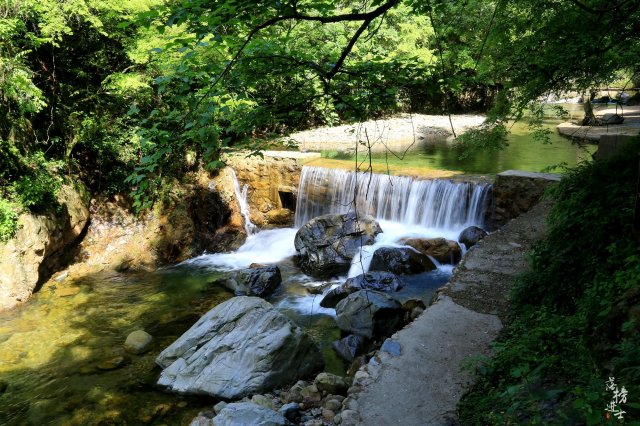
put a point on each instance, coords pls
(269, 246)
(435, 204)
(241, 196)
(404, 207)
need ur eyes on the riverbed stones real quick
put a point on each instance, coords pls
(257, 280)
(328, 243)
(348, 348)
(248, 414)
(331, 383)
(138, 342)
(401, 261)
(242, 346)
(471, 235)
(376, 280)
(441, 249)
(369, 314)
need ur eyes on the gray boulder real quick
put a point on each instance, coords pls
(328, 243)
(471, 235)
(369, 314)
(376, 280)
(257, 280)
(248, 414)
(400, 260)
(242, 346)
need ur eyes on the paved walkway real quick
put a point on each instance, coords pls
(423, 384)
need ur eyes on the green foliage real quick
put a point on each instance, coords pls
(572, 324)
(8, 220)
(38, 188)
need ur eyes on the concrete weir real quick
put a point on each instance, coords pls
(424, 382)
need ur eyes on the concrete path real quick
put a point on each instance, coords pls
(423, 384)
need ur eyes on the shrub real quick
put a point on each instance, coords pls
(8, 220)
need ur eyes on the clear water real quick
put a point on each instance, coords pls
(522, 153)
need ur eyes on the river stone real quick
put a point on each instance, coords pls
(376, 280)
(328, 243)
(349, 347)
(331, 383)
(441, 249)
(248, 414)
(471, 235)
(257, 280)
(138, 342)
(290, 411)
(400, 260)
(369, 314)
(242, 346)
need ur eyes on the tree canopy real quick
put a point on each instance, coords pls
(146, 89)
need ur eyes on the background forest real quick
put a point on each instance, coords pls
(127, 96)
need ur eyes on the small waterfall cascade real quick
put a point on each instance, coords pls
(436, 204)
(241, 196)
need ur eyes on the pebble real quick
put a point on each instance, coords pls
(263, 401)
(138, 342)
(328, 415)
(391, 347)
(112, 363)
(333, 405)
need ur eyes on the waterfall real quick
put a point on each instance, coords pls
(241, 196)
(437, 203)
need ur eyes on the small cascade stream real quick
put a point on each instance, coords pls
(241, 196)
(52, 349)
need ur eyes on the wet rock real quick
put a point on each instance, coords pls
(328, 243)
(279, 217)
(328, 415)
(376, 280)
(241, 347)
(401, 261)
(248, 414)
(138, 342)
(369, 314)
(311, 394)
(441, 249)
(257, 280)
(291, 411)
(349, 418)
(295, 393)
(330, 383)
(350, 347)
(112, 363)
(201, 421)
(263, 401)
(471, 235)
(333, 405)
(219, 407)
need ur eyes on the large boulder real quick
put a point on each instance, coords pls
(242, 346)
(257, 280)
(376, 280)
(328, 243)
(369, 314)
(441, 249)
(471, 235)
(400, 260)
(248, 414)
